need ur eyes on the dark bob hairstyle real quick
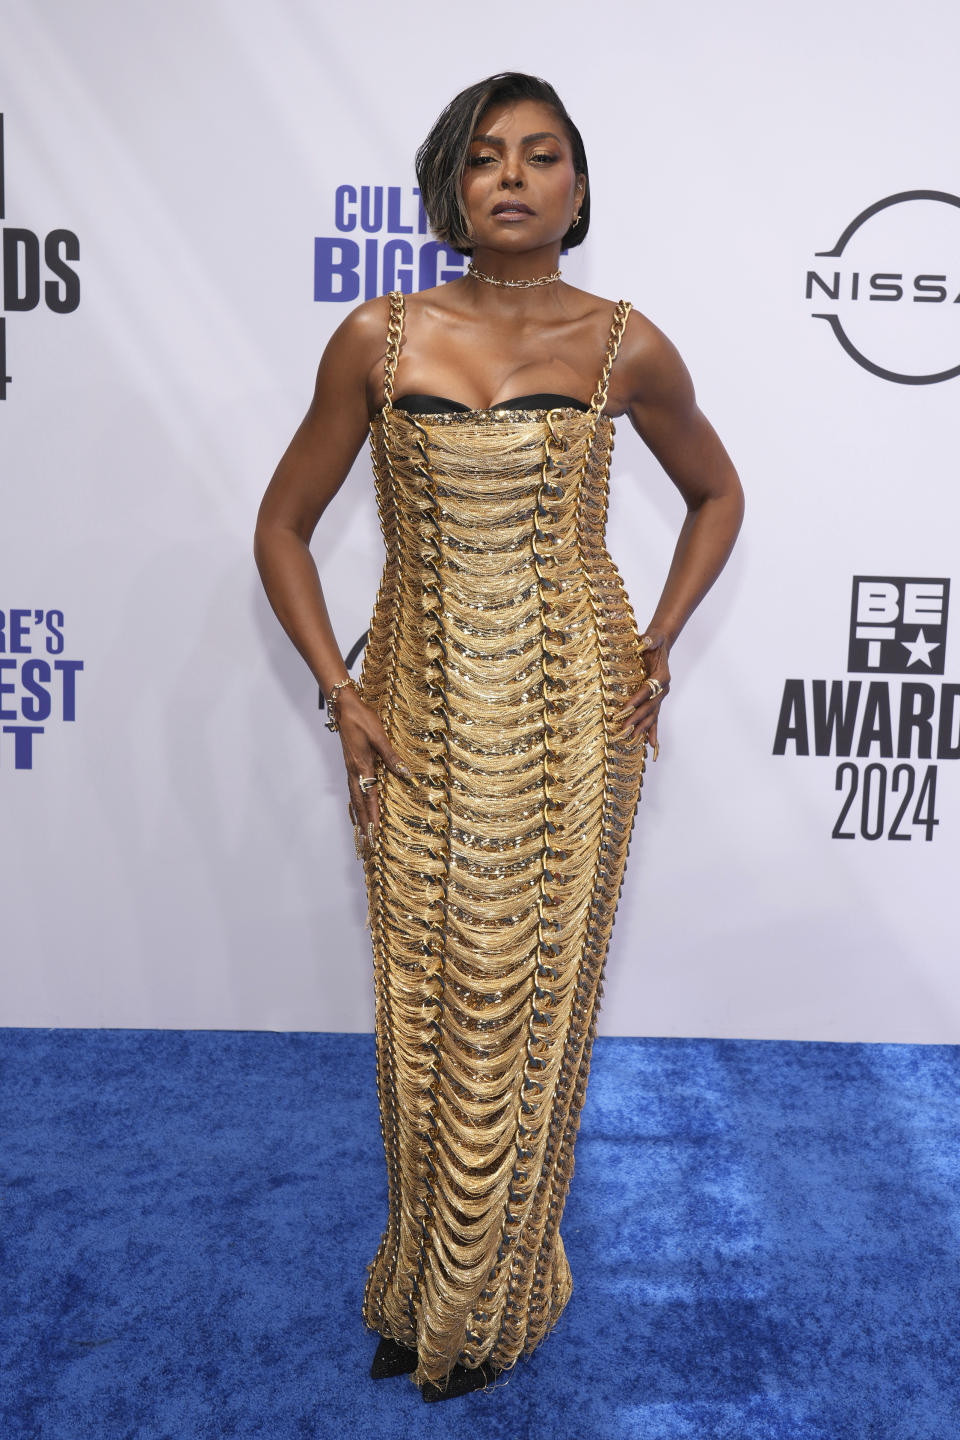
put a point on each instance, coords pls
(442, 157)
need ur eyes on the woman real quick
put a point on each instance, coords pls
(496, 743)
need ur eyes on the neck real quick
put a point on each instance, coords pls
(531, 265)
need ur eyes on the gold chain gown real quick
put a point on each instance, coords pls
(501, 645)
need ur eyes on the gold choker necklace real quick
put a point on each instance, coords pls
(513, 284)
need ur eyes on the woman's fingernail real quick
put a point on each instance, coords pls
(370, 832)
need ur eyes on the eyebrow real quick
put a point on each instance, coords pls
(527, 139)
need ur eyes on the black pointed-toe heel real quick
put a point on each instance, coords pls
(461, 1380)
(392, 1359)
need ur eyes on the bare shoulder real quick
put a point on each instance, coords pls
(649, 368)
(587, 305)
(362, 330)
(644, 345)
(441, 304)
(595, 315)
(352, 361)
(442, 297)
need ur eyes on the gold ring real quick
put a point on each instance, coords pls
(367, 782)
(655, 687)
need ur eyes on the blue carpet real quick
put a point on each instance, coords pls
(764, 1238)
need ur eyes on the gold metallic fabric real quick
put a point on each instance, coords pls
(501, 645)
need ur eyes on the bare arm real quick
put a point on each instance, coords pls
(313, 467)
(311, 471)
(657, 393)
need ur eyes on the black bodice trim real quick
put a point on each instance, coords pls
(439, 405)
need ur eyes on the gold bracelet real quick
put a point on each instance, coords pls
(333, 723)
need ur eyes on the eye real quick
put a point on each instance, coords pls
(545, 157)
(475, 160)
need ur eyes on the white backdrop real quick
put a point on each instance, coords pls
(178, 854)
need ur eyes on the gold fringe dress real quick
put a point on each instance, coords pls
(501, 645)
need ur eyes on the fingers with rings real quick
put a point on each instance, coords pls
(655, 690)
(364, 812)
(639, 712)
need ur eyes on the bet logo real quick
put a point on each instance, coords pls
(898, 626)
(891, 730)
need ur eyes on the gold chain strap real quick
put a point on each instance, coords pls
(613, 345)
(394, 338)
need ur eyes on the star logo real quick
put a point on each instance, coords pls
(920, 649)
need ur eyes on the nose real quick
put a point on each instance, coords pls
(511, 176)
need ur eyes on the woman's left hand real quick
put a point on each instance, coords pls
(642, 711)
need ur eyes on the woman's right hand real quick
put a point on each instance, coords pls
(365, 746)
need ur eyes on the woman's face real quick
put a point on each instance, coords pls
(519, 187)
